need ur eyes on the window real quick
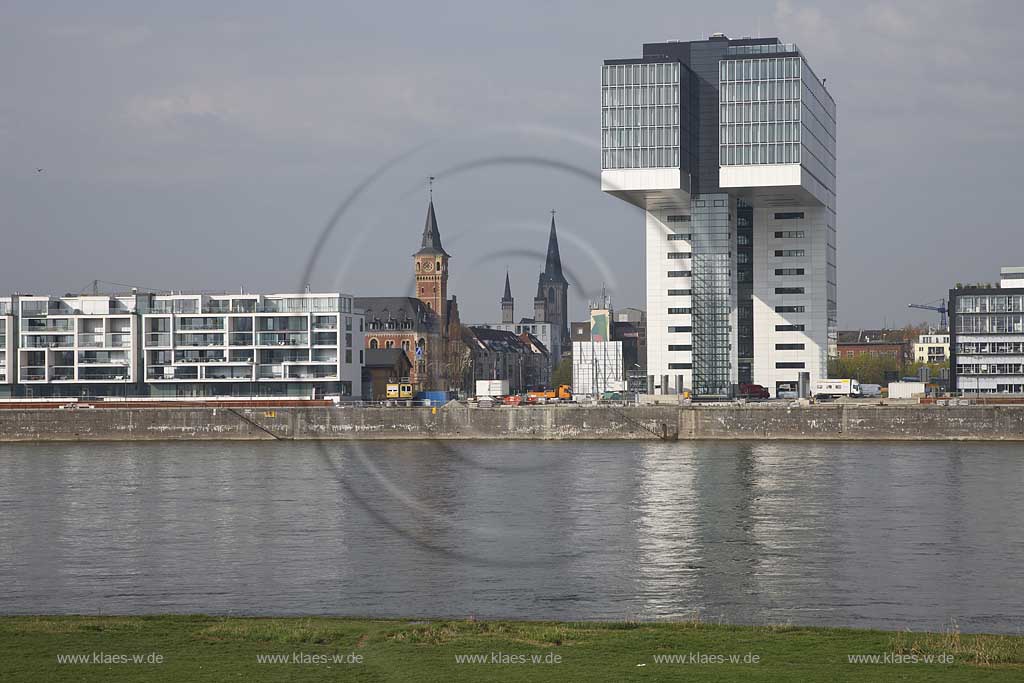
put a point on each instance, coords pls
(789, 290)
(790, 309)
(348, 355)
(788, 215)
(787, 234)
(373, 343)
(680, 366)
(678, 311)
(680, 273)
(678, 236)
(789, 271)
(680, 347)
(679, 254)
(789, 347)
(679, 329)
(789, 252)
(678, 219)
(680, 292)
(789, 366)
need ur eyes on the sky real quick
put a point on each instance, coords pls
(267, 145)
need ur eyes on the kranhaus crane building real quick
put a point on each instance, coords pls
(729, 147)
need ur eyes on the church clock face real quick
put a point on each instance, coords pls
(428, 266)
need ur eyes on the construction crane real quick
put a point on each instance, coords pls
(940, 309)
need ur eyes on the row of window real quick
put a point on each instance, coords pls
(641, 95)
(640, 74)
(1000, 303)
(992, 324)
(792, 365)
(758, 69)
(677, 328)
(679, 311)
(680, 366)
(667, 157)
(789, 234)
(788, 215)
(680, 237)
(789, 347)
(680, 292)
(680, 347)
(1007, 348)
(790, 252)
(790, 309)
(789, 271)
(990, 368)
(754, 133)
(677, 219)
(789, 290)
(789, 328)
(679, 255)
(745, 155)
(680, 273)
(760, 91)
(629, 117)
(758, 112)
(646, 136)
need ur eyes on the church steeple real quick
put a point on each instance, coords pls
(553, 264)
(431, 263)
(507, 303)
(432, 236)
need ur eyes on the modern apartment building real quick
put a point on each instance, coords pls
(986, 336)
(7, 334)
(251, 344)
(304, 344)
(932, 348)
(730, 148)
(75, 345)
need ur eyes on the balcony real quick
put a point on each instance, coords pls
(158, 339)
(47, 342)
(228, 373)
(62, 373)
(121, 374)
(241, 339)
(284, 339)
(270, 372)
(33, 374)
(185, 339)
(44, 326)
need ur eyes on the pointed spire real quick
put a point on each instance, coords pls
(553, 265)
(508, 289)
(431, 235)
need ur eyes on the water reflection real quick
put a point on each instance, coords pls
(887, 535)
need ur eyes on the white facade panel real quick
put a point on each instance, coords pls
(597, 368)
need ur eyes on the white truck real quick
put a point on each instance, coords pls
(835, 388)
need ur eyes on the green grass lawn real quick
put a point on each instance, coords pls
(201, 648)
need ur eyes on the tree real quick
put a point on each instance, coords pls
(562, 373)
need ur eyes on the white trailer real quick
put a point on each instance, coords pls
(835, 388)
(493, 388)
(907, 389)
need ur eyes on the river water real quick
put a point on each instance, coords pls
(885, 535)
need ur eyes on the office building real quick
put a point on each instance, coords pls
(986, 336)
(729, 147)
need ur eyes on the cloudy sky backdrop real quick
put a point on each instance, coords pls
(197, 145)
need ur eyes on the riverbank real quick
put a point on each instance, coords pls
(204, 648)
(846, 421)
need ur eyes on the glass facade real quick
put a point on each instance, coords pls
(712, 295)
(759, 111)
(640, 115)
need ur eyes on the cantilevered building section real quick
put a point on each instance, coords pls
(729, 146)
